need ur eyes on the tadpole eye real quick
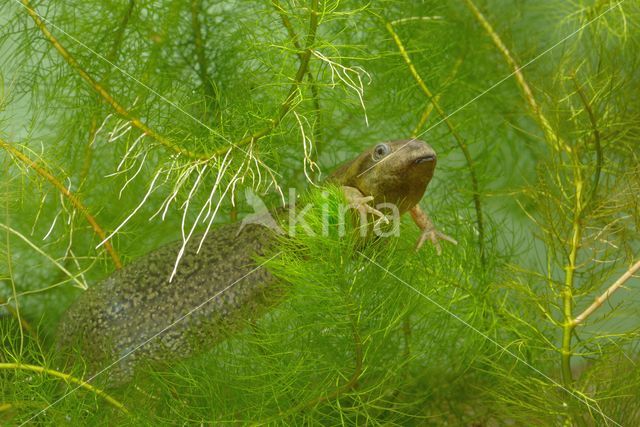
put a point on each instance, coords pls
(380, 151)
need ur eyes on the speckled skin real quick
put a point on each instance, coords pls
(122, 315)
(132, 305)
(399, 177)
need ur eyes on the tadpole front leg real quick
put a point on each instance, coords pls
(429, 231)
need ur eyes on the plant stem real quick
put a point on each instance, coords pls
(87, 159)
(212, 108)
(596, 140)
(112, 56)
(43, 172)
(567, 330)
(406, 332)
(117, 42)
(605, 296)
(570, 269)
(286, 22)
(22, 237)
(15, 311)
(106, 96)
(576, 229)
(475, 188)
(550, 134)
(68, 378)
(430, 105)
(286, 105)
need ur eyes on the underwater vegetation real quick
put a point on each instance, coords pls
(132, 131)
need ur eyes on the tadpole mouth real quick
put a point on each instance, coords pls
(427, 158)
